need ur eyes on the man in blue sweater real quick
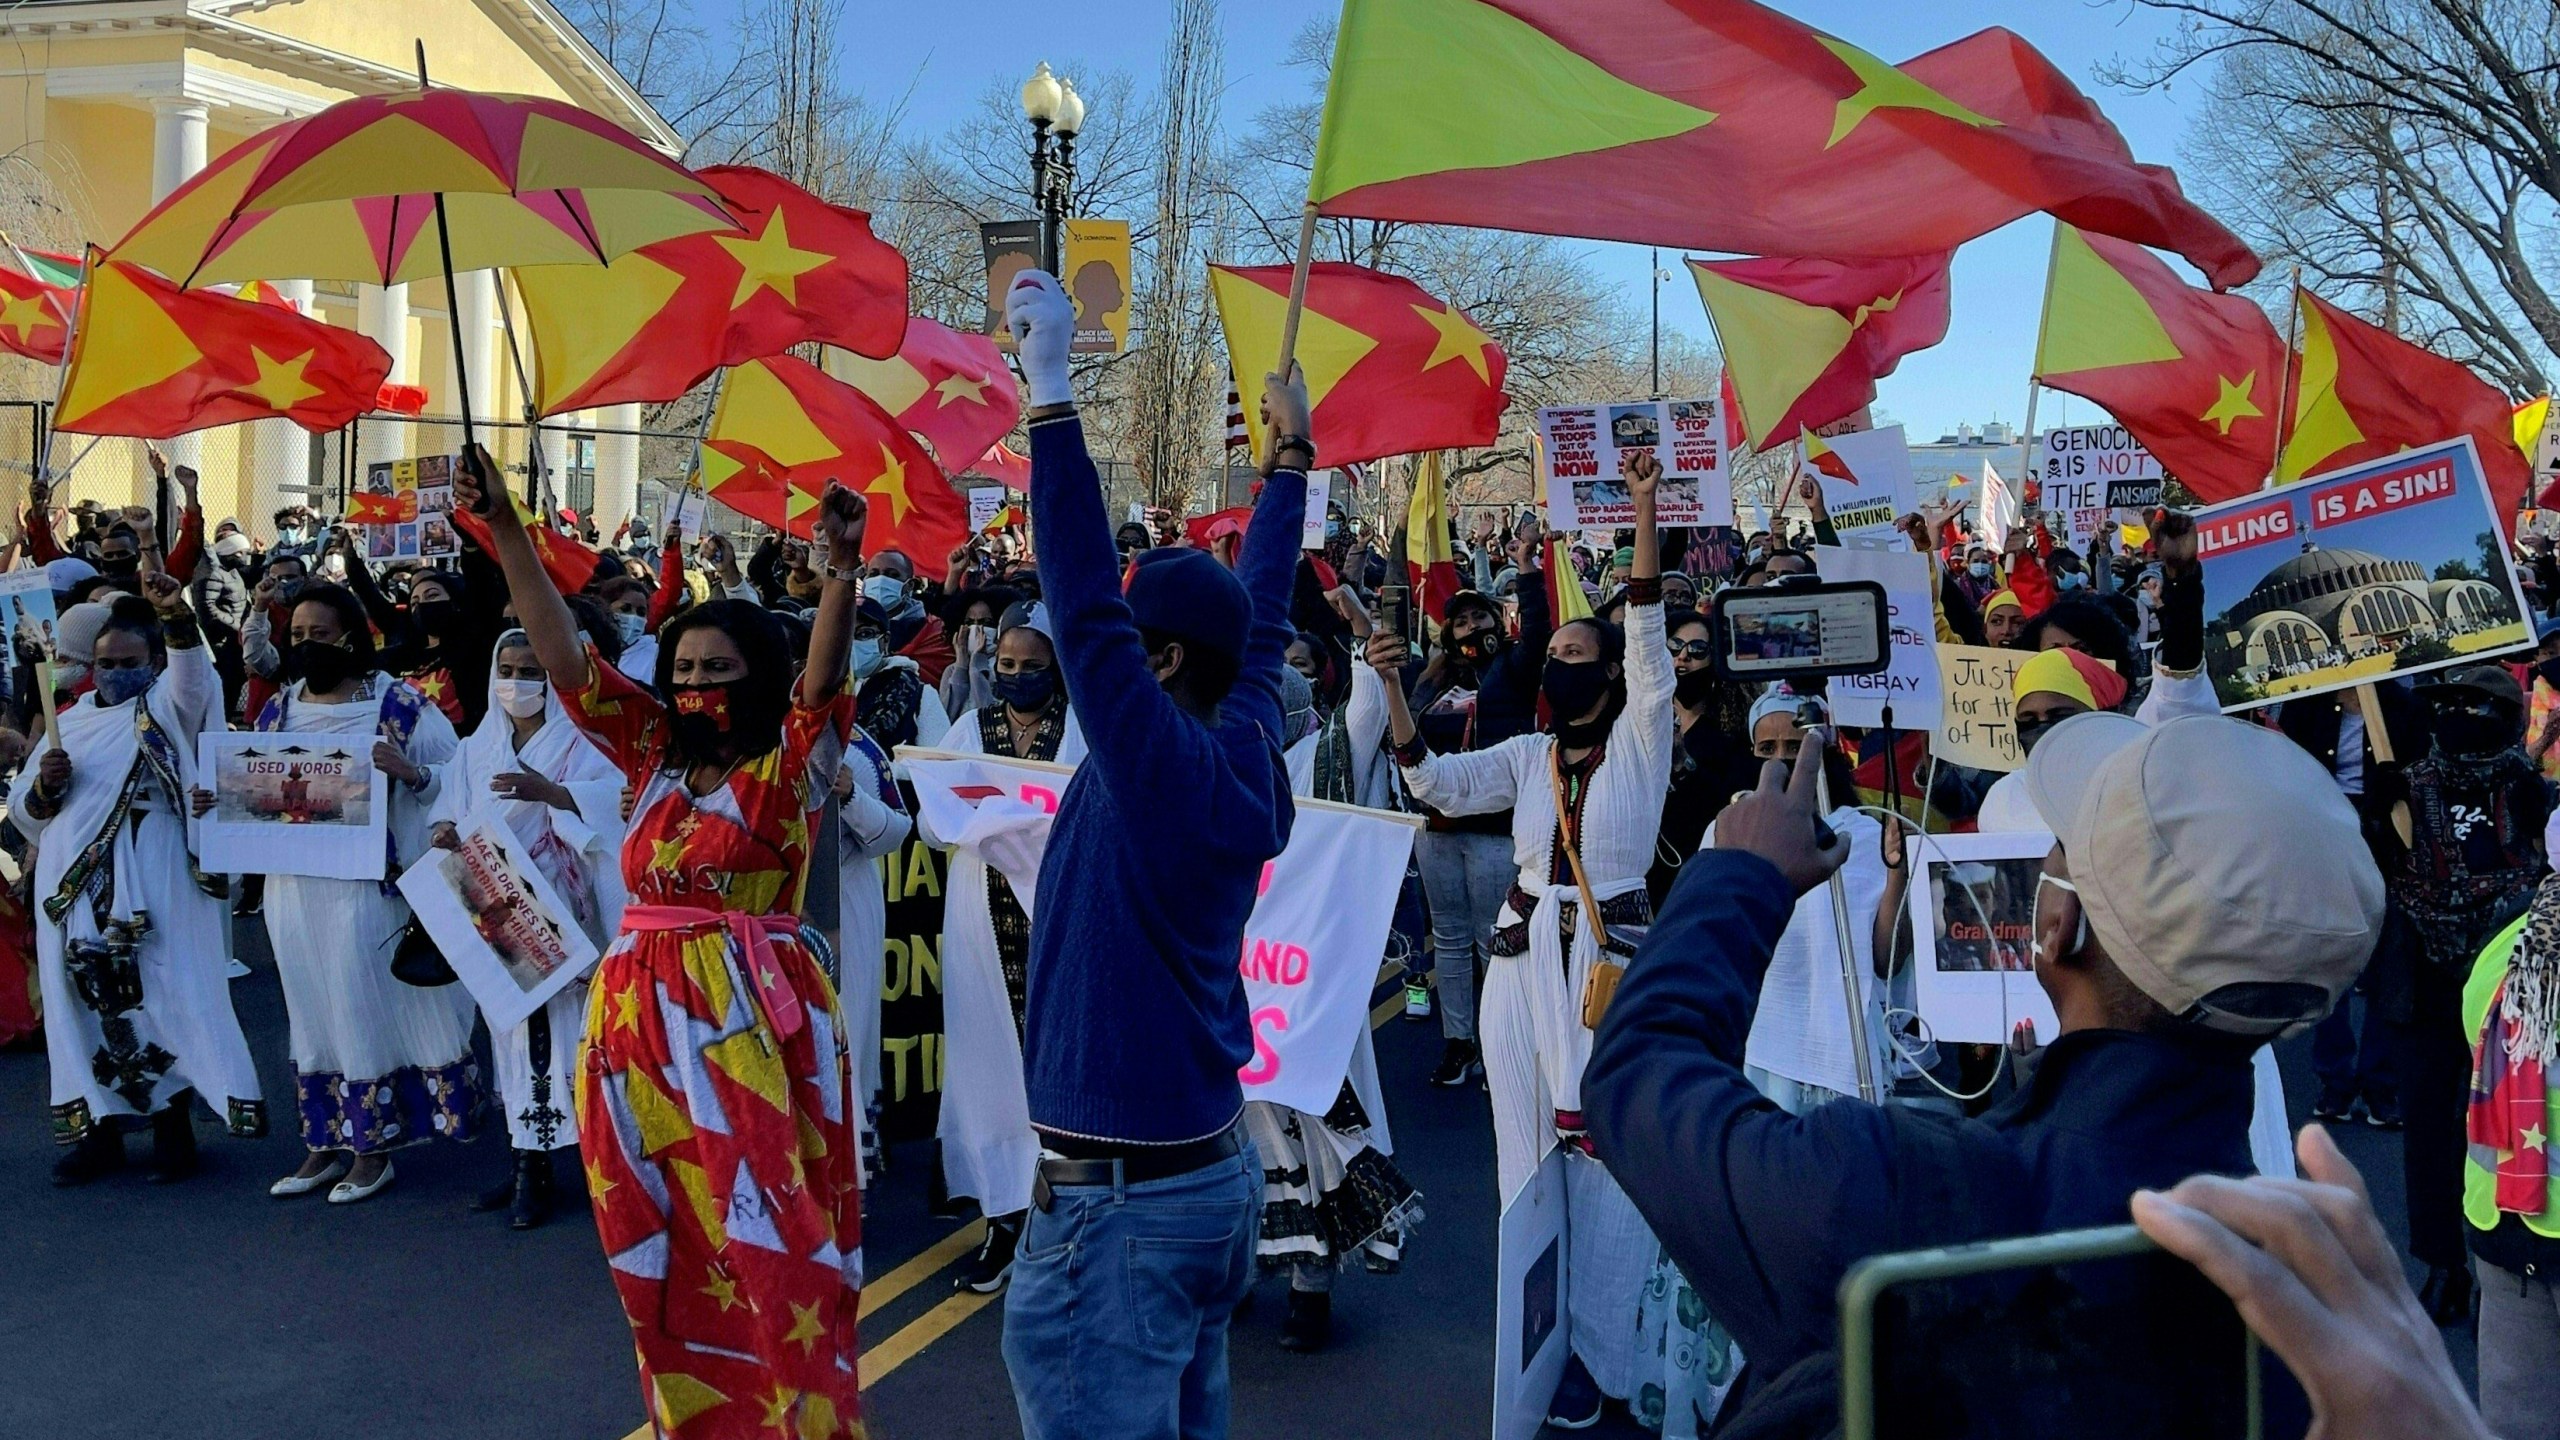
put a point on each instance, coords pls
(2172, 940)
(1140, 1241)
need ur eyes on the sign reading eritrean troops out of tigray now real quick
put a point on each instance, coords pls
(2393, 567)
(1582, 445)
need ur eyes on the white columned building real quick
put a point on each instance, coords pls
(617, 467)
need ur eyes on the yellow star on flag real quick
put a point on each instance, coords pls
(1882, 87)
(27, 314)
(666, 854)
(777, 1407)
(1459, 339)
(1878, 306)
(806, 1328)
(767, 262)
(958, 387)
(626, 1008)
(280, 385)
(723, 1290)
(599, 1185)
(2234, 402)
(2533, 1137)
(892, 482)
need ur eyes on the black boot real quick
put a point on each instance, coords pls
(1308, 1327)
(533, 1190)
(173, 1142)
(100, 1152)
(502, 1195)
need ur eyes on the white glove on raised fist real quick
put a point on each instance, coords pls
(1043, 322)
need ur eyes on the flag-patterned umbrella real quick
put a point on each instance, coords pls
(352, 193)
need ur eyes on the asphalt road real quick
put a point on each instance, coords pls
(210, 1310)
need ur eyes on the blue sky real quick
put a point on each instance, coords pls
(940, 63)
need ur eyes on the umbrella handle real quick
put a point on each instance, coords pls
(453, 307)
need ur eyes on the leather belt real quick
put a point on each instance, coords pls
(1136, 1165)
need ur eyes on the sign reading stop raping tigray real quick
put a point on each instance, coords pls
(2393, 567)
(2089, 472)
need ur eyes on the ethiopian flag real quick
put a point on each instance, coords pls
(1722, 125)
(1390, 369)
(2195, 376)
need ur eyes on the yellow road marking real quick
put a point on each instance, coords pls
(878, 1360)
(941, 1253)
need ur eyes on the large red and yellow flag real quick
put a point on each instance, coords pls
(35, 317)
(784, 429)
(2195, 376)
(657, 322)
(153, 360)
(955, 390)
(2359, 392)
(1431, 566)
(1806, 340)
(1612, 118)
(1390, 370)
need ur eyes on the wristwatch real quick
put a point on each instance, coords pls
(1281, 443)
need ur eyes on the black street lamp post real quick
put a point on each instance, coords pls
(1056, 114)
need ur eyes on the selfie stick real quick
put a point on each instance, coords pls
(1809, 713)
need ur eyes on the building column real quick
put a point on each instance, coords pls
(177, 153)
(177, 143)
(478, 325)
(278, 455)
(617, 467)
(553, 491)
(382, 315)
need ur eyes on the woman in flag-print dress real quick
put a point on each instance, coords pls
(714, 1094)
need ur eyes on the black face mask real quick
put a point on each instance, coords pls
(1026, 690)
(2549, 672)
(2467, 732)
(436, 617)
(1693, 686)
(1481, 646)
(323, 666)
(122, 567)
(1572, 687)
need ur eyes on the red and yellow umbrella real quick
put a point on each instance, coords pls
(352, 193)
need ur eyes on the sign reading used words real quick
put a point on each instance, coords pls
(2090, 472)
(2393, 567)
(293, 803)
(1977, 729)
(1583, 445)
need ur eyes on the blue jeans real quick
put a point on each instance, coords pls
(1466, 877)
(2358, 1055)
(1115, 1323)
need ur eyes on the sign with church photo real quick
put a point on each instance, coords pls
(2393, 567)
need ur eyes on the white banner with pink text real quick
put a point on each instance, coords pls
(1311, 948)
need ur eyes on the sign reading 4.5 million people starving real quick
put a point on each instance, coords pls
(2390, 568)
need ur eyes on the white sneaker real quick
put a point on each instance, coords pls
(347, 1192)
(1417, 1000)
(293, 1185)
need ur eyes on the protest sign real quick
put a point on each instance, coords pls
(1975, 727)
(1866, 483)
(2087, 473)
(692, 506)
(914, 878)
(1311, 946)
(1581, 446)
(1909, 681)
(406, 509)
(985, 504)
(1972, 924)
(1311, 526)
(2393, 567)
(511, 937)
(293, 803)
(1999, 506)
(26, 603)
(1530, 1338)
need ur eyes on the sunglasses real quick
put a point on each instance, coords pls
(1690, 650)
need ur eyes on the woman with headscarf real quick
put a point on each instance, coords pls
(892, 702)
(715, 1100)
(1585, 799)
(131, 939)
(2004, 620)
(989, 1152)
(527, 767)
(378, 1065)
